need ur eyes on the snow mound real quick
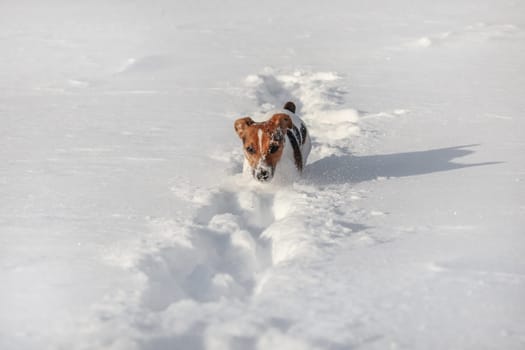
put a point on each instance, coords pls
(479, 32)
(146, 64)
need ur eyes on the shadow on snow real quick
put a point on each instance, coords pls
(355, 169)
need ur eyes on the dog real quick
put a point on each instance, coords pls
(279, 145)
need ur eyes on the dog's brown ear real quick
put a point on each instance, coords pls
(241, 124)
(282, 120)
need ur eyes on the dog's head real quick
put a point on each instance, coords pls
(263, 143)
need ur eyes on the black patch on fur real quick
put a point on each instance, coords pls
(297, 134)
(277, 136)
(296, 151)
(303, 133)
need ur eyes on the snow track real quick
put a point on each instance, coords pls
(243, 234)
(220, 255)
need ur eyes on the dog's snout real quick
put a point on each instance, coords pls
(263, 175)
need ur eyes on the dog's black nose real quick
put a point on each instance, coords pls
(263, 175)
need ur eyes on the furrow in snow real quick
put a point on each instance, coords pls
(243, 234)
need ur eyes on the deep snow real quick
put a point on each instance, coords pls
(125, 222)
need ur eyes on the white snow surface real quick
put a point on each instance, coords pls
(125, 222)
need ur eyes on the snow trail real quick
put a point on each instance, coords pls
(219, 256)
(242, 234)
(258, 226)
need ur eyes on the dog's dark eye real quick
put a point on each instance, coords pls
(273, 148)
(250, 150)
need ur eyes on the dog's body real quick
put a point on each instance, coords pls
(282, 142)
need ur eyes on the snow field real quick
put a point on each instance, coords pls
(125, 223)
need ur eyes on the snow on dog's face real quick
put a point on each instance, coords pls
(263, 143)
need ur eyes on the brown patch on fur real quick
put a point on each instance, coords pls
(283, 120)
(269, 149)
(241, 124)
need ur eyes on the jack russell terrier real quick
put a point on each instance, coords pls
(278, 146)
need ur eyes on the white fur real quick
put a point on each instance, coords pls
(259, 135)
